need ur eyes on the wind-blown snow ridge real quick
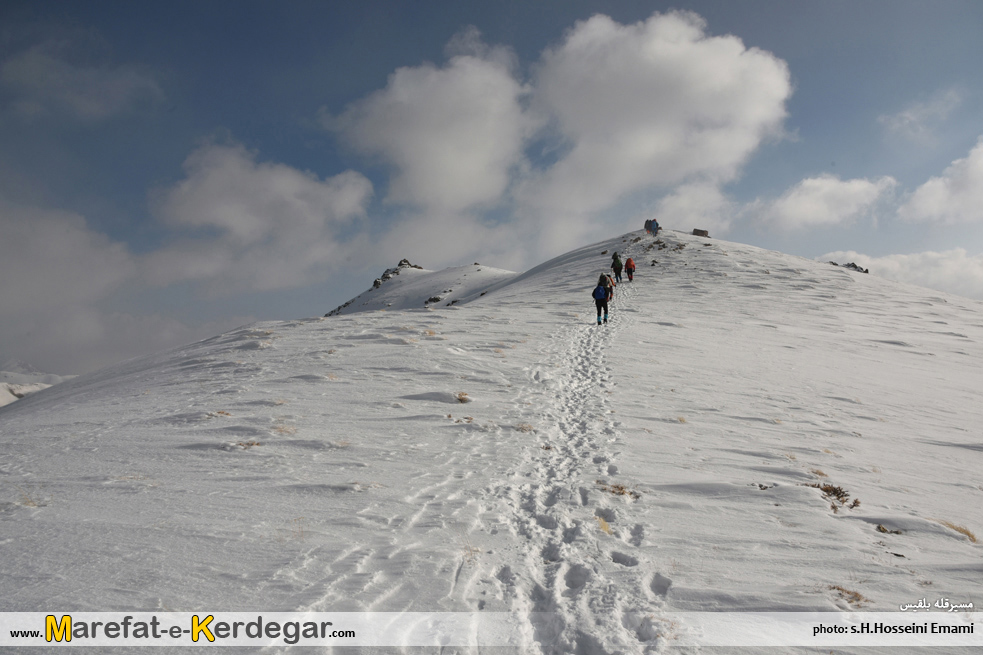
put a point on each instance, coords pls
(702, 451)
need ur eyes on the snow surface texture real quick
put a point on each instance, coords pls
(510, 455)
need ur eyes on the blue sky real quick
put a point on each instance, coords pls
(170, 170)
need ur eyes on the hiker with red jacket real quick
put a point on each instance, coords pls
(603, 292)
(630, 268)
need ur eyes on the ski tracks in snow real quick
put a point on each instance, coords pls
(579, 580)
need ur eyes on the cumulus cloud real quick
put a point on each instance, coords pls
(652, 104)
(54, 272)
(953, 271)
(956, 196)
(240, 226)
(453, 133)
(822, 201)
(696, 205)
(918, 120)
(42, 81)
(609, 111)
(257, 226)
(51, 260)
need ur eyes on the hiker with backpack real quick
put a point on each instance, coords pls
(616, 266)
(603, 292)
(630, 268)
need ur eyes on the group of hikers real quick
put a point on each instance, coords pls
(604, 291)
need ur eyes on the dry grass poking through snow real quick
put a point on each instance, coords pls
(836, 495)
(524, 427)
(31, 497)
(618, 490)
(852, 597)
(958, 528)
(462, 397)
(605, 528)
(470, 552)
(294, 530)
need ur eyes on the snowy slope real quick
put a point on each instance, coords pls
(612, 476)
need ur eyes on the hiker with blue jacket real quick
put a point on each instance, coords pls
(603, 292)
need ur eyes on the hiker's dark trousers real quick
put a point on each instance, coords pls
(601, 304)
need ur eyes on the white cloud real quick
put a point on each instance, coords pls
(258, 226)
(954, 197)
(652, 104)
(54, 274)
(701, 206)
(822, 201)
(621, 109)
(44, 82)
(918, 120)
(953, 271)
(454, 134)
(51, 260)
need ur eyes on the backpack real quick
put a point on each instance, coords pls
(630, 263)
(600, 293)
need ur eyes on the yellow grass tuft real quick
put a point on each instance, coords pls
(852, 597)
(30, 498)
(462, 397)
(605, 528)
(618, 489)
(470, 552)
(958, 528)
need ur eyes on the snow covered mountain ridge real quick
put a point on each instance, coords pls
(408, 286)
(18, 379)
(752, 431)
